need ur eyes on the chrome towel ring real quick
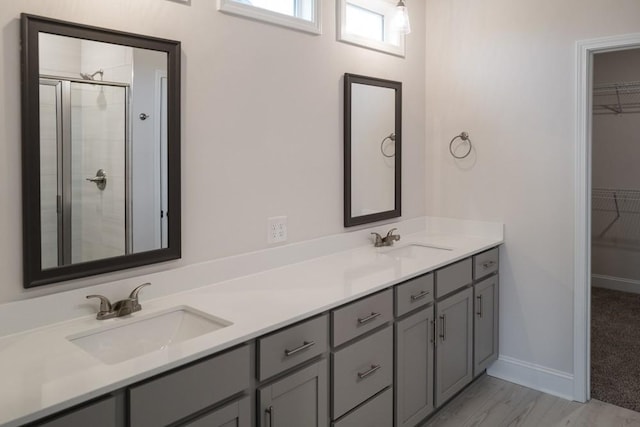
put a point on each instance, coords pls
(464, 137)
(392, 137)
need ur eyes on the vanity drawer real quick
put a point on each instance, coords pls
(237, 413)
(378, 412)
(414, 293)
(174, 396)
(485, 263)
(292, 346)
(361, 370)
(103, 413)
(453, 277)
(361, 316)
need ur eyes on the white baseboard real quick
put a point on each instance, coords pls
(533, 376)
(615, 283)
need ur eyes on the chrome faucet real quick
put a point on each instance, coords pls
(119, 308)
(388, 240)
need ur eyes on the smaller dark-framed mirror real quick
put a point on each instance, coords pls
(372, 149)
(100, 150)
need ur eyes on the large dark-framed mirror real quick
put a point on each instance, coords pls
(100, 150)
(372, 149)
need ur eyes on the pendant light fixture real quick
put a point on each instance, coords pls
(400, 21)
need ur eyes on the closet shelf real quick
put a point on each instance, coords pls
(616, 215)
(616, 98)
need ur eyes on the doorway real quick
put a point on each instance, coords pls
(584, 200)
(615, 220)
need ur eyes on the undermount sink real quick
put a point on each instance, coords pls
(414, 250)
(128, 338)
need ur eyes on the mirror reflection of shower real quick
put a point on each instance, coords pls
(87, 112)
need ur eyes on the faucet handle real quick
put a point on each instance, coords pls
(136, 291)
(378, 237)
(105, 304)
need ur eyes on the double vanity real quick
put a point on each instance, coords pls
(365, 336)
(333, 332)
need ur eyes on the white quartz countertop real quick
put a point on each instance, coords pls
(43, 372)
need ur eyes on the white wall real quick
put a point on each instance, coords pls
(145, 150)
(261, 124)
(504, 71)
(615, 154)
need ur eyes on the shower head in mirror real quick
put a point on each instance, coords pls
(88, 76)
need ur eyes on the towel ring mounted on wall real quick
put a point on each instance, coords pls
(464, 136)
(392, 137)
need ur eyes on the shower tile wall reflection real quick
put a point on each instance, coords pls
(98, 140)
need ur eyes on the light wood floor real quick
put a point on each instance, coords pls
(491, 402)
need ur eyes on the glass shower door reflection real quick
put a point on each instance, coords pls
(84, 128)
(98, 178)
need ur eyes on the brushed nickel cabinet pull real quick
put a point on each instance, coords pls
(443, 335)
(419, 296)
(488, 264)
(372, 316)
(305, 345)
(479, 313)
(269, 411)
(368, 372)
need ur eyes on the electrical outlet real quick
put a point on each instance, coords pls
(277, 229)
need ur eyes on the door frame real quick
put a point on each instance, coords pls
(585, 51)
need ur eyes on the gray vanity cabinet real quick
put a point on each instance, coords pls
(414, 368)
(386, 370)
(299, 399)
(485, 324)
(235, 414)
(454, 344)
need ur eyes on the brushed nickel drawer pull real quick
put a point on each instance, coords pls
(479, 313)
(488, 264)
(433, 332)
(368, 372)
(372, 316)
(305, 345)
(419, 296)
(443, 335)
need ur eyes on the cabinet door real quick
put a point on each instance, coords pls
(235, 414)
(454, 362)
(414, 368)
(486, 324)
(299, 399)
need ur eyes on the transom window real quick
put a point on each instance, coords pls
(367, 23)
(364, 22)
(303, 15)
